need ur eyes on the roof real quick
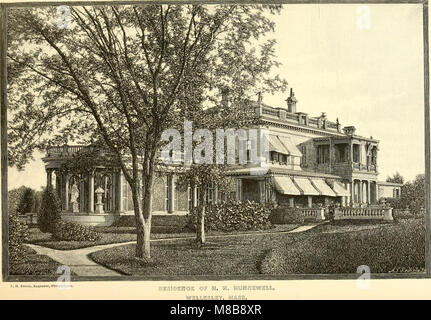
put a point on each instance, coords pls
(391, 184)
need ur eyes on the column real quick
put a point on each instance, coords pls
(66, 192)
(343, 201)
(262, 191)
(113, 189)
(368, 192)
(310, 201)
(359, 191)
(119, 193)
(352, 192)
(291, 202)
(171, 193)
(238, 189)
(48, 178)
(81, 195)
(91, 192)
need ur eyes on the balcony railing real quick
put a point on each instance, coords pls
(66, 150)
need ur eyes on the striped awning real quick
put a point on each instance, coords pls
(306, 187)
(290, 146)
(323, 187)
(340, 190)
(284, 185)
(276, 145)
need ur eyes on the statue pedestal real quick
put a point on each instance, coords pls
(99, 208)
(99, 203)
(75, 207)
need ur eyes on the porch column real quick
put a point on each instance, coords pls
(310, 201)
(91, 192)
(291, 202)
(81, 195)
(262, 191)
(239, 189)
(119, 193)
(352, 192)
(359, 191)
(195, 196)
(343, 201)
(171, 193)
(113, 191)
(66, 192)
(48, 178)
(369, 192)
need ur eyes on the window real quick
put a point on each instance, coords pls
(356, 153)
(323, 154)
(304, 154)
(340, 152)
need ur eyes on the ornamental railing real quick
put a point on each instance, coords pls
(372, 213)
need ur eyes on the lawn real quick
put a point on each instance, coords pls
(328, 248)
(393, 248)
(126, 234)
(34, 264)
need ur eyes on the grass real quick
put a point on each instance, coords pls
(34, 264)
(385, 248)
(235, 255)
(329, 248)
(126, 234)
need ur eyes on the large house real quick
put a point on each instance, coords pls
(313, 162)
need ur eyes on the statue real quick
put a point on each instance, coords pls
(74, 195)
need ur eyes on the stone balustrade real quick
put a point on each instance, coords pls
(371, 213)
(316, 213)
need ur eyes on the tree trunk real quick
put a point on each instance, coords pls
(143, 249)
(200, 228)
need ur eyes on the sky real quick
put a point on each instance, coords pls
(368, 72)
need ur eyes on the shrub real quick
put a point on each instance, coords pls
(18, 233)
(233, 216)
(70, 231)
(283, 215)
(49, 212)
(26, 204)
(14, 197)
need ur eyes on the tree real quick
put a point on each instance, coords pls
(121, 75)
(396, 178)
(26, 204)
(50, 211)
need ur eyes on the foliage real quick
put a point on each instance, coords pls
(49, 212)
(121, 75)
(14, 199)
(70, 231)
(412, 196)
(396, 178)
(233, 216)
(18, 234)
(284, 214)
(391, 248)
(26, 205)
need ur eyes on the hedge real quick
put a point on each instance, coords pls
(18, 234)
(50, 211)
(70, 231)
(233, 216)
(284, 215)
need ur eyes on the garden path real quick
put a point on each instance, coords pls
(79, 262)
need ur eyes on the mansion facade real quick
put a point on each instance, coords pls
(314, 162)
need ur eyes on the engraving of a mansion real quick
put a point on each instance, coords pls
(313, 162)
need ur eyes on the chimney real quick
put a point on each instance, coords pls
(225, 97)
(350, 130)
(291, 102)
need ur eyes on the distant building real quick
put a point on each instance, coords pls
(313, 162)
(389, 189)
